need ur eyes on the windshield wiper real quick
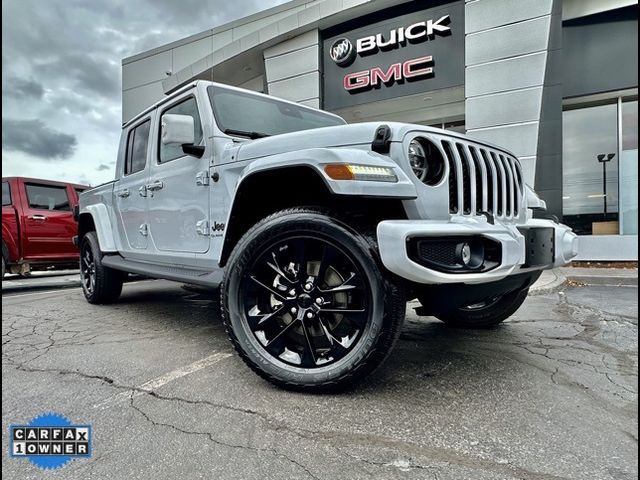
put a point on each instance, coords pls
(242, 133)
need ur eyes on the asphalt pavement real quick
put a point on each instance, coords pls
(551, 394)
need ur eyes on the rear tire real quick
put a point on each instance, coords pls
(100, 284)
(486, 314)
(285, 282)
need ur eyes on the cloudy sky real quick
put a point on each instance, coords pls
(61, 75)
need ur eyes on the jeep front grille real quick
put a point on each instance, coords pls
(482, 180)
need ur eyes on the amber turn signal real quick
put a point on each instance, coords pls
(339, 172)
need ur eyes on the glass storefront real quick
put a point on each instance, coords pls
(629, 169)
(600, 167)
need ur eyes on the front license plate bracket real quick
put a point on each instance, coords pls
(539, 246)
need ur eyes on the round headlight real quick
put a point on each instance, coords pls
(426, 161)
(418, 160)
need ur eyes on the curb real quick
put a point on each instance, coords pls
(604, 281)
(553, 281)
(549, 286)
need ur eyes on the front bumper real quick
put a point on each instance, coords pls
(395, 235)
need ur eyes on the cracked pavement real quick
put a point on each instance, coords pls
(551, 394)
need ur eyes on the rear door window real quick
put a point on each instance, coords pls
(6, 194)
(48, 197)
(137, 146)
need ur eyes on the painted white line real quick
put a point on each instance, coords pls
(156, 383)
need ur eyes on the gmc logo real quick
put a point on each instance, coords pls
(398, 72)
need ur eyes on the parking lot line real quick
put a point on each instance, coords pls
(158, 382)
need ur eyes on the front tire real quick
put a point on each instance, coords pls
(100, 284)
(305, 303)
(488, 313)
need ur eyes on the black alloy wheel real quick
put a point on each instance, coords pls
(100, 284)
(87, 269)
(306, 301)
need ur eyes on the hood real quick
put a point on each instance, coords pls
(326, 137)
(338, 136)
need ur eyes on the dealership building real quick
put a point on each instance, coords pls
(555, 82)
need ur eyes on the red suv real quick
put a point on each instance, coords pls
(38, 225)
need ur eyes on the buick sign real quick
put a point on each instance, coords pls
(342, 52)
(416, 32)
(407, 54)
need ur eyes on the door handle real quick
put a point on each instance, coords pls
(143, 191)
(157, 185)
(37, 217)
(124, 193)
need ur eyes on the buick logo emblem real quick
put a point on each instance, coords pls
(342, 52)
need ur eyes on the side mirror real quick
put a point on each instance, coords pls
(177, 129)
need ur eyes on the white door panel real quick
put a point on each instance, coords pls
(178, 210)
(130, 195)
(178, 199)
(132, 208)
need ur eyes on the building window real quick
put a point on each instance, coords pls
(600, 167)
(454, 126)
(629, 168)
(590, 203)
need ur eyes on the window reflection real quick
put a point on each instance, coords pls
(629, 169)
(590, 205)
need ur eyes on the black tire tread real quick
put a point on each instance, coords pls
(108, 286)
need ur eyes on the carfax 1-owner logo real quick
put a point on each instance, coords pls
(50, 441)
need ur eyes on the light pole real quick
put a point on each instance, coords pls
(604, 159)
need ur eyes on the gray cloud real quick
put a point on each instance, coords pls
(102, 167)
(35, 138)
(85, 72)
(79, 43)
(22, 88)
(69, 103)
(182, 13)
(82, 179)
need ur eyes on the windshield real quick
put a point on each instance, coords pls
(239, 113)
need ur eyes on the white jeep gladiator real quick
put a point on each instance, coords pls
(315, 232)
